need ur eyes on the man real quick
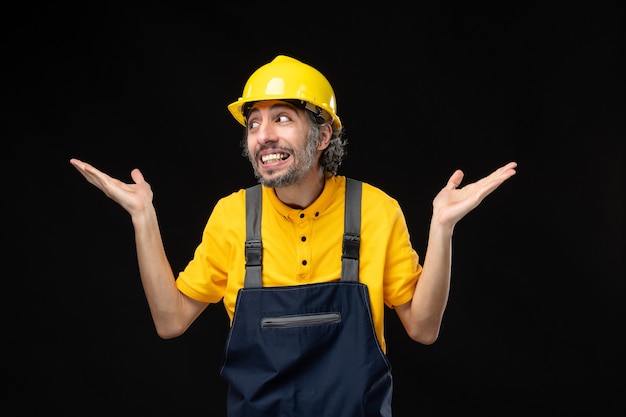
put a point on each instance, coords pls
(304, 263)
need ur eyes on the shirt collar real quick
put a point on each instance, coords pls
(314, 210)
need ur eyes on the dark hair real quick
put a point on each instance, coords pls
(333, 155)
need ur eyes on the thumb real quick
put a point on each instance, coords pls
(137, 176)
(455, 179)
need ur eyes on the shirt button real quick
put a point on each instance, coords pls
(304, 262)
(303, 238)
(301, 215)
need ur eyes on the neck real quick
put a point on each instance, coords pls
(304, 193)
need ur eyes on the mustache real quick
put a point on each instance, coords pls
(273, 147)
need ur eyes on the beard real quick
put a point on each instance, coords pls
(304, 161)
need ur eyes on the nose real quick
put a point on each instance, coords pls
(266, 132)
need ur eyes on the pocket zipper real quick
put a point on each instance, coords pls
(301, 320)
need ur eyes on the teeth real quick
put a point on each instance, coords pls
(273, 157)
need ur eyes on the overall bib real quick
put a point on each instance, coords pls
(305, 350)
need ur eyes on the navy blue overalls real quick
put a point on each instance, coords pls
(305, 350)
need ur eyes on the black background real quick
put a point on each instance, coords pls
(535, 322)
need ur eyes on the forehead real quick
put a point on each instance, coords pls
(271, 104)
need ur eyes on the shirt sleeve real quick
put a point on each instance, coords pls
(205, 276)
(402, 267)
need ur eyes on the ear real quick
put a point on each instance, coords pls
(327, 134)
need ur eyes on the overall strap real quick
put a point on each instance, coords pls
(351, 236)
(254, 246)
(352, 231)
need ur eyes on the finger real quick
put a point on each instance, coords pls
(93, 175)
(455, 180)
(78, 164)
(489, 183)
(506, 170)
(510, 165)
(84, 167)
(137, 176)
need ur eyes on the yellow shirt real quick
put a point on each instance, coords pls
(304, 246)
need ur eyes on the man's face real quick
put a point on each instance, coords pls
(278, 145)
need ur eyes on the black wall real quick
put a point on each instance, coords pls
(535, 319)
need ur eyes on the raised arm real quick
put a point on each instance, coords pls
(422, 316)
(172, 311)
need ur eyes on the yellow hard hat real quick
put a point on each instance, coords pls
(286, 78)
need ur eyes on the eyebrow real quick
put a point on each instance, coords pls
(276, 105)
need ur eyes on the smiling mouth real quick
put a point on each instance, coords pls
(274, 157)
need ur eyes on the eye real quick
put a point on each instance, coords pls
(282, 118)
(252, 124)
